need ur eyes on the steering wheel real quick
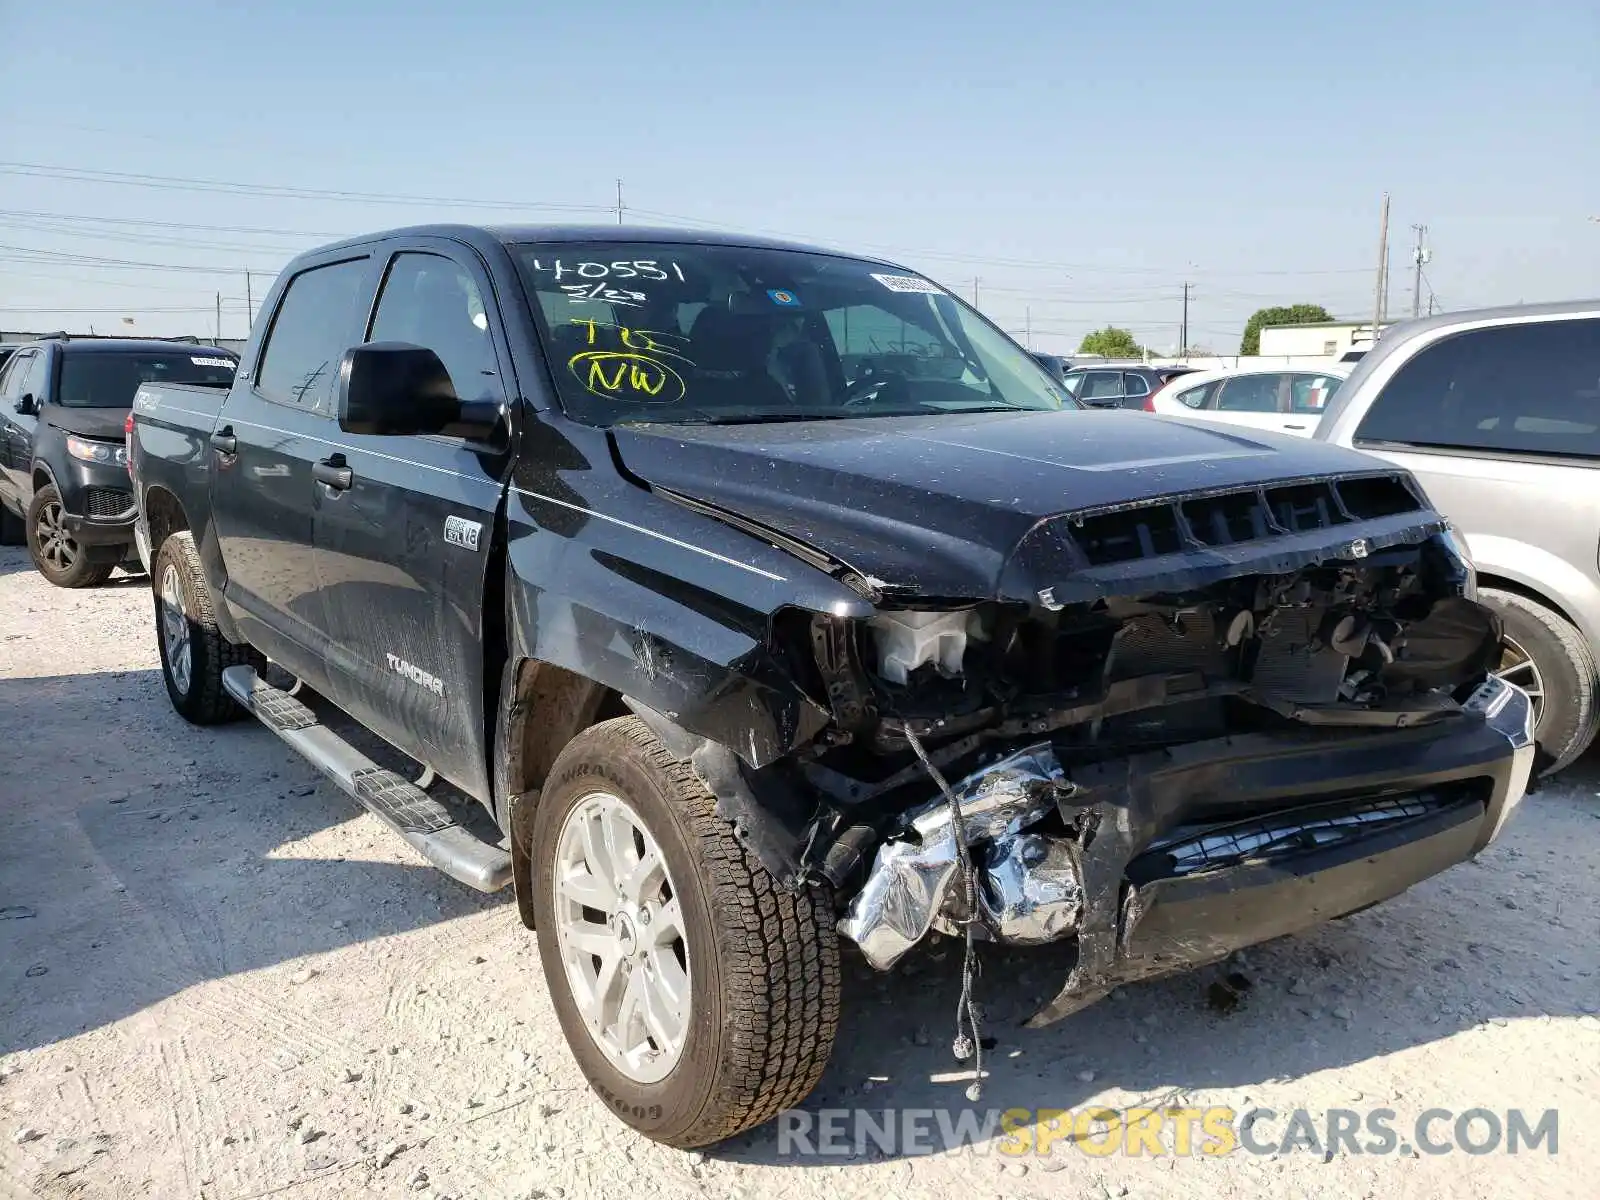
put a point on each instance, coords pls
(863, 390)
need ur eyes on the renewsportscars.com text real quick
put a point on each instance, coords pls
(1181, 1132)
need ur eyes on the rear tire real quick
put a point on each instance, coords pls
(193, 651)
(758, 966)
(1552, 661)
(59, 557)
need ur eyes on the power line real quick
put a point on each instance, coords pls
(139, 239)
(90, 260)
(114, 308)
(145, 222)
(279, 191)
(1019, 264)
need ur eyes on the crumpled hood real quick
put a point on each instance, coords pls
(103, 423)
(937, 504)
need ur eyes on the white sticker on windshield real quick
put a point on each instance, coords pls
(212, 362)
(909, 283)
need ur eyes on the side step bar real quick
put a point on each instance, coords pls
(427, 825)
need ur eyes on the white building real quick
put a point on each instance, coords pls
(1320, 339)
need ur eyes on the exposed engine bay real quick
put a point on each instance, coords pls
(1140, 773)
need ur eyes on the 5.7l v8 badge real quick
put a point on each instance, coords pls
(459, 531)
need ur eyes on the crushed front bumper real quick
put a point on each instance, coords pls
(1175, 858)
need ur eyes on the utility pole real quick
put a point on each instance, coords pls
(619, 202)
(219, 316)
(249, 304)
(1419, 255)
(1183, 330)
(1027, 317)
(1383, 269)
(974, 291)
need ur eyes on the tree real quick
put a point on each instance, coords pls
(1294, 314)
(1111, 342)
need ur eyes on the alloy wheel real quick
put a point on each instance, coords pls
(1517, 666)
(620, 930)
(175, 631)
(56, 546)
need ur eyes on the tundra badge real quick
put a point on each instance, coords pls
(458, 531)
(415, 674)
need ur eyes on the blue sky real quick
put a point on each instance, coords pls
(1081, 161)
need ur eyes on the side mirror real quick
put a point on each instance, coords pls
(395, 388)
(27, 406)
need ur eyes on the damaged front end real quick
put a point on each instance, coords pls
(1233, 717)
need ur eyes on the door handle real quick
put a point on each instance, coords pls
(333, 472)
(1294, 426)
(224, 441)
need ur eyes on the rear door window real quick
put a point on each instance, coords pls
(1248, 393)
(15, 377)
(1531, 388)
(1101, 385)
(318, 319)
(1134, 385)
(1309, 394)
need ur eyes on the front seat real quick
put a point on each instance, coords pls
(730, 354)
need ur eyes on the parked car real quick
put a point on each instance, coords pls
(63, 467)
(740, 651)
(1054, 363)
(1119, 385)
(1497, 412)
(1270, 399)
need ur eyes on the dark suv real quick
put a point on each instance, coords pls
(1118, 385)
(63, 465)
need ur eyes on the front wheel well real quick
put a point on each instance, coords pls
(542, 708)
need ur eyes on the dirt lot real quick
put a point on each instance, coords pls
(219, 978)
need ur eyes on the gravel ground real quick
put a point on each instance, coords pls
(218, 978)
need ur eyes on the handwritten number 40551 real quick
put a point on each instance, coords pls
(638, 268)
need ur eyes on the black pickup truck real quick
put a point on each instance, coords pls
(761, 594)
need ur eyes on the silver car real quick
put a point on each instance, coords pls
(1497, 412)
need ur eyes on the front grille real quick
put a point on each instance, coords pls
(1247, 515)
(106, 502)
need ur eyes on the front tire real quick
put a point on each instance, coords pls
(59, 556)
(1550, 659)
(193, 651)
(698, 997)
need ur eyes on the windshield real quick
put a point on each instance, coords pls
(711, 333)
(109, 378)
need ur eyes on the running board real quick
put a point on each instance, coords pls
(427, 825)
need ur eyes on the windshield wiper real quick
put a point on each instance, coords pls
(763, 418)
